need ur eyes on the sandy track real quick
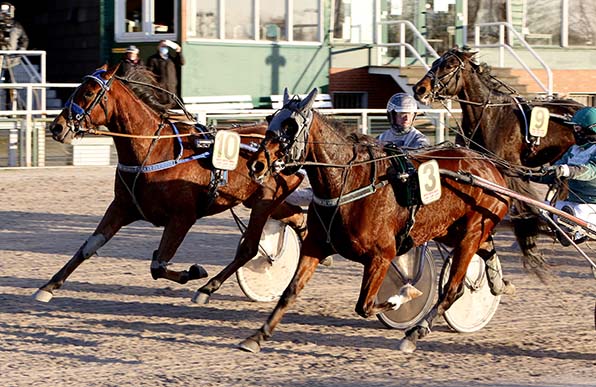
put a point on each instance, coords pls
(112, 325)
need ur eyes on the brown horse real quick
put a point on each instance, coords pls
(496, 121)
(356, 214)
(162, 178)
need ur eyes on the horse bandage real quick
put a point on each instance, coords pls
(92, 245)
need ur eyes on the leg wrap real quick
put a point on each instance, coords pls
(92, 245)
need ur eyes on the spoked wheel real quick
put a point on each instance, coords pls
(476, 307)
(416, 267)
(266, 276)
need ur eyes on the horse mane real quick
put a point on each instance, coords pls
(140, 80)
(340, 126)
(483, 70)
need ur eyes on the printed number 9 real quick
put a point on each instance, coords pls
(539, 118)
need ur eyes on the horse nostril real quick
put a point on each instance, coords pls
(420, 90)
(257, 167)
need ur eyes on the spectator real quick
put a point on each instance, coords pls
(12, 33)
(12, 37)
(166, 66)
(130, 61)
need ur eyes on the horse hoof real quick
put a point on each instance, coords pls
(250, 345)
(509, 288)
(197, 272)
(43, 295)
(200, 298)
(407, 346)
(327, 261)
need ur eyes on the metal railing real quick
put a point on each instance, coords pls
(23, 149)
(402, 44)
(27, 130)
(502, 45)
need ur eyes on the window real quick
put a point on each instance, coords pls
(256, 20)
(354, 21)
(582, 23)
(149, 20)
(272, 21)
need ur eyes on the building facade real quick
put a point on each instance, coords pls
(258, 47)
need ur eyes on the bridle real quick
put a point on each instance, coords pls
(441, 83)
(76, 113)
(292, 146)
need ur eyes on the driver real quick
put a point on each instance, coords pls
(401, 112)
(578, 167)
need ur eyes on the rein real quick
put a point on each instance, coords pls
(108, 133)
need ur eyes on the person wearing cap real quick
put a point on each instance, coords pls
(401, 112)
(578, 163)
(165, 64)
(130, 61)
(12, 33)
(12, 37)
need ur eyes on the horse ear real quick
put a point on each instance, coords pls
(309, 100)
(110, 72)
(286, 96)
(104, 67)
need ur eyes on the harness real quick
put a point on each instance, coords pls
(203, 142)
(357, 194)
(79, 112)
(169, 163)
(404, 179)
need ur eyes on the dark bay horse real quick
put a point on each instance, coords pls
(163, 178)
(496, 120)
(357, 214)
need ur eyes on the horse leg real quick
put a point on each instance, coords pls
(372, 279)
(173, 235)
(309, 260)
(526, 227)
(498, 285)
(247, 249)
(115, 217)
(293, 216)
(462, 255)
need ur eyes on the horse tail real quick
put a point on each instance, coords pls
(527, 224)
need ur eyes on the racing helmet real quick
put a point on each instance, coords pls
(402, 103)
(7, 10)
(586, 119)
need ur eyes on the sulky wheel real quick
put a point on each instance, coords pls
(418, 268)
(266, 276)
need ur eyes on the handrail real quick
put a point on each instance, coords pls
(402, 43)
(502, 46)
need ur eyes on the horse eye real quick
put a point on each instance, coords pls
(88, 94)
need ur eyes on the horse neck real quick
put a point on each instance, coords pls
(327, 146)
(129, 115)
(477, 117)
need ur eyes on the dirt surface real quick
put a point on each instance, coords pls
(112, 325)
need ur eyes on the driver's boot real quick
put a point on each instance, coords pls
(498, 285)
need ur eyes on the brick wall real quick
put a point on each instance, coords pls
(379, 87)
(564, 81)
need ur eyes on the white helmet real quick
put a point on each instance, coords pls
(402, 103)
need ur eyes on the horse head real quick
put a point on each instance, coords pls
(286, 138)
(86, 108)
(444, 79)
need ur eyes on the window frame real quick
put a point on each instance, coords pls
(258, 40)
(146, 35)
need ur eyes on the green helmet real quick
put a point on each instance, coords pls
(586, 118)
